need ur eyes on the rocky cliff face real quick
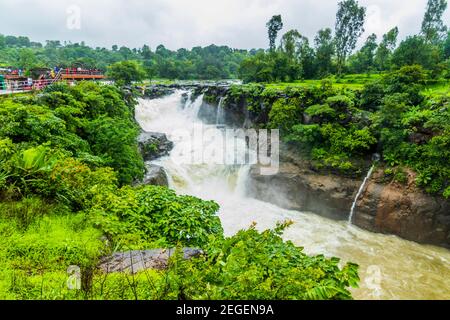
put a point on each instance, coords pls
(404, 210)
(392, 208)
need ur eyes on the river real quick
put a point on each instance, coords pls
(390, 267)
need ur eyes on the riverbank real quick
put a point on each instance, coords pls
(389, 266)
(79, 222)
(391, 203)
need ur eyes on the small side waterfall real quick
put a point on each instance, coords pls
(220, 112)
(193, 107)
(358, 195)
(227, 185)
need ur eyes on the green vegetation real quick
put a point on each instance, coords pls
(338, 127)
(293, 59)
(125, 72)
(67, 158)
(212, 62)
(333, 55)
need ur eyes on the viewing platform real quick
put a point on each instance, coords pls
(80, 75)
(17, 83)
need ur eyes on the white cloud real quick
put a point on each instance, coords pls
(181, 23)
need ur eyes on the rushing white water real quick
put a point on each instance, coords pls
(390, 268)
(220, 119)
(358, 195)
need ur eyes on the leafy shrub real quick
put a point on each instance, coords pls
(255, 266)
(305, 135)
(156, 214)
(115, 140)
(75, 184)
(340, 103)
(320, 110)
(283, 115)
(26, 211)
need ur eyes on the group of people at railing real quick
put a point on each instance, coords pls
(27, 85)
(15, 80)
(81, 71)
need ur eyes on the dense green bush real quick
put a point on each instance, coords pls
(250, 265)
(131, 216)
(284, 114)
(114, 140)
(88, 121)
(64, 154)
(254, 266)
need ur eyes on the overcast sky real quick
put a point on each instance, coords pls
(188, 23)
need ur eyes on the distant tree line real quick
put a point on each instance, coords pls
(294, 58)
(211, 62)
(333, 54)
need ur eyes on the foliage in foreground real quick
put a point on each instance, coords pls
(249, 265)
(256, 265)
(67, 157)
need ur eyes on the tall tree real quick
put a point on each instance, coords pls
(290, 43)
(306, 57)
(324, 45)
(363, 61)
(125, 72)
(447, 46)
(385, 49)
(27, 59)
(433, 28)
(146, 52)
(349, 27)
(413, 50)
(273, 27)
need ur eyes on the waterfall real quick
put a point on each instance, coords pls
(358, 195)
(193, 107)
(220, 112)
(242, 179)
(227, 185)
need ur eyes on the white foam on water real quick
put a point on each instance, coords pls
(407, 270)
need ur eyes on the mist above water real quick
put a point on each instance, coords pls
(390, 268)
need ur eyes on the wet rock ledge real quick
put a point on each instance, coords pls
(402, 210)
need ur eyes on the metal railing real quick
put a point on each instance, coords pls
(13, 86)
(81, 72)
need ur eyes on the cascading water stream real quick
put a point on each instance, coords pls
(358, 195)
(390, 268)
(220, 112)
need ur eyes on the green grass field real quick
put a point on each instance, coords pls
(351, 81)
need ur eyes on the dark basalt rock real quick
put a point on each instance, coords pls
(402, 210)
(155, 176)
(137, 261)
(153, 145)
(154, 92)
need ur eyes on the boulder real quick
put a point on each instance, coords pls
(137, 261)
(154, 145)
(156, 91)
(156, 176)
